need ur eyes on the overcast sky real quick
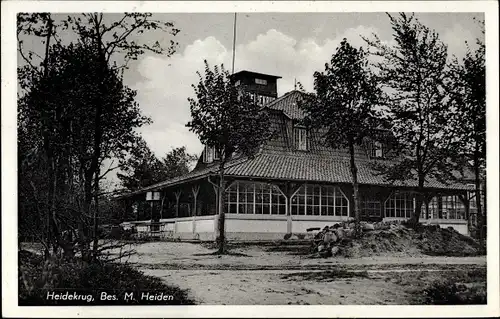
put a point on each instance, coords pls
(290, 45)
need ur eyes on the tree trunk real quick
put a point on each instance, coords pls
(49, 149)
(418, 202)
(355, 186)
(477, 184)
(96, 213)
(222, 223)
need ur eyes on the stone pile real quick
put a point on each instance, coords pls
(328, 241)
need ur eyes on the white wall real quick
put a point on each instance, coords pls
(184, 225)
(236, 223)
(300, 224)
(205, 225)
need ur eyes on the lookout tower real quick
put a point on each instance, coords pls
(262, 88)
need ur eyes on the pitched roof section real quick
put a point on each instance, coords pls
(317, 168)
(288, 104)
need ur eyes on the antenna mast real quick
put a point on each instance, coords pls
(234, 41)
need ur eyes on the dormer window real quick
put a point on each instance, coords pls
(300, 138)
(260, 81)
(377, 150)
(210, 154)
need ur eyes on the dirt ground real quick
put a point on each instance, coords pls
(263, 275)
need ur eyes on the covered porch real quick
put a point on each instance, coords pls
(263, 209)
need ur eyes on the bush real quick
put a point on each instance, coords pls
(37, 277)
(451, 293)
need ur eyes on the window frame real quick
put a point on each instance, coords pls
(306, 197)
(260, 81)
(304, 145)
(275, 202)
(375, 147)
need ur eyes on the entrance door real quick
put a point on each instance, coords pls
(371, 208)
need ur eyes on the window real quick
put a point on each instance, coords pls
(255, 198)
(376, 150)
(237, 83)
(261, 81)
(400, 204)
(300, 138)
(446, 207)
(319, 200)
(210, 155)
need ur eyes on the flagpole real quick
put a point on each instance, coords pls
(234, 41)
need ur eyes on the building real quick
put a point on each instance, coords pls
(292, 184)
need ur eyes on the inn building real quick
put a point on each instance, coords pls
(292, 184)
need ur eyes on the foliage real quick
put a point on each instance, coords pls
(143, 168)
(344, 104)
(75, 112)
(36, 277)
(452, 293)
(412, 73)
(467, 88)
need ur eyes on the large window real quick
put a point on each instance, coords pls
(446, 207)
(319, 200)
(300, 138)
(400, 204)
(255, 198)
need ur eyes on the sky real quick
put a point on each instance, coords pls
(290, 45)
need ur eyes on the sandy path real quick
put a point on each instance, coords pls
(193, 256)
(267, 287)
(258, 277)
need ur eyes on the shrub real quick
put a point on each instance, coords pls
(37, 276)
(450, 293)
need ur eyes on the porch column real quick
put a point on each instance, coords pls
(195, 189)
(465, 200)
(177, 197)
(290, 190)
(216, 215)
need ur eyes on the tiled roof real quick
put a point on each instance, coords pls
(318, 168)
(193, 175)
(288, 104)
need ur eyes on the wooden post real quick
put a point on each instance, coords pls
(290, 190)
(465, 200)
(177, 197)
(195, 189)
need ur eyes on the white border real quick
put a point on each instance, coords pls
(9, 159)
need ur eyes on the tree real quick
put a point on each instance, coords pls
(344, 105)
(109, 40)
(102, 52)
(225, 119)
(59, 104)
(467, 87)
(412, 73)
(143, 168)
